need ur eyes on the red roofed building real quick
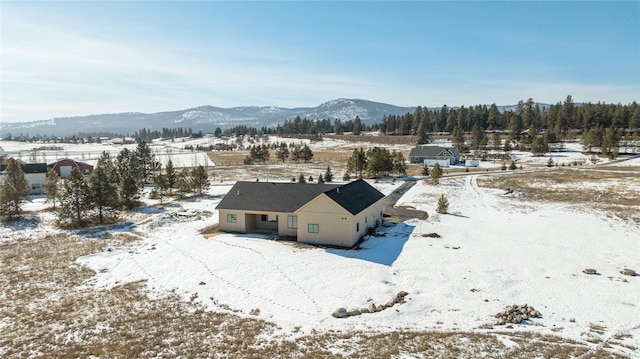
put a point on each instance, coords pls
(64, 166)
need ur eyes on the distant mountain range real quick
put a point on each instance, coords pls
(205, 118)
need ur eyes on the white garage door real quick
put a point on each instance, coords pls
(65, 171)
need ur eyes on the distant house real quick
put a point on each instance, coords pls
(324, 214)
(64, 166)
(430, 155)
(34, 173)
(123, 141)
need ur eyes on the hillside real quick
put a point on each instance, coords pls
(205, 118)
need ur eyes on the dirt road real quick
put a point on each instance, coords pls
(399, 214)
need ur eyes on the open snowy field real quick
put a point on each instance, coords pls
(493, 252)
(494, 249)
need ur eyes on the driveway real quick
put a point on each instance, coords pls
(399, 214)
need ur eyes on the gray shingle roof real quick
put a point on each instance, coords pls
(271, 197)
(355, 196)
(287, 197)
(29, 167)
(430, 151)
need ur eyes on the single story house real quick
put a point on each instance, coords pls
(64, 166)
(322, 214)
(34, 173)
(430, 155)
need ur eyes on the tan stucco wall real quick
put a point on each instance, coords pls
(283, 230)
(239, 226)
(251, 221)
(336, 225)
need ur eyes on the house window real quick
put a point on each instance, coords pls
(231, 217)
(268, 218)
(292, 221)
(358, 227)
(314, 228)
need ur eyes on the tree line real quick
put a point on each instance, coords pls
(375, 162)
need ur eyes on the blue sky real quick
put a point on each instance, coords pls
(88, 57)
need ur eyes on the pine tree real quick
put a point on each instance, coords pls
(436, 173)
(13, 190)
(183, 183)
(421, 134)
(102, 186)
(357, 163)
(457, 136)
(75, 197)
(301, 179)
(379, 162)
(346, 177)
(51, 186)
(550, 162)
(357, 126)
(425, 170)
(320, 179)
(328, 176)
(162, 186)
(147, 161)
(170, 176)
(496, 141)
(200, 180)
(399, 164)
(282, 153)
(539, 146)
(296, 154)
(129, 177)
(507, 145)
(443, 205)
(306, 153)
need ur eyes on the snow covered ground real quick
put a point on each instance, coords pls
(493, 252)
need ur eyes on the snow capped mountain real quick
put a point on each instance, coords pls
(205, 118)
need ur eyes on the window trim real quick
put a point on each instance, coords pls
(232, 218)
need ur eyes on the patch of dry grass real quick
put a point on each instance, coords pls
(613, 190)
